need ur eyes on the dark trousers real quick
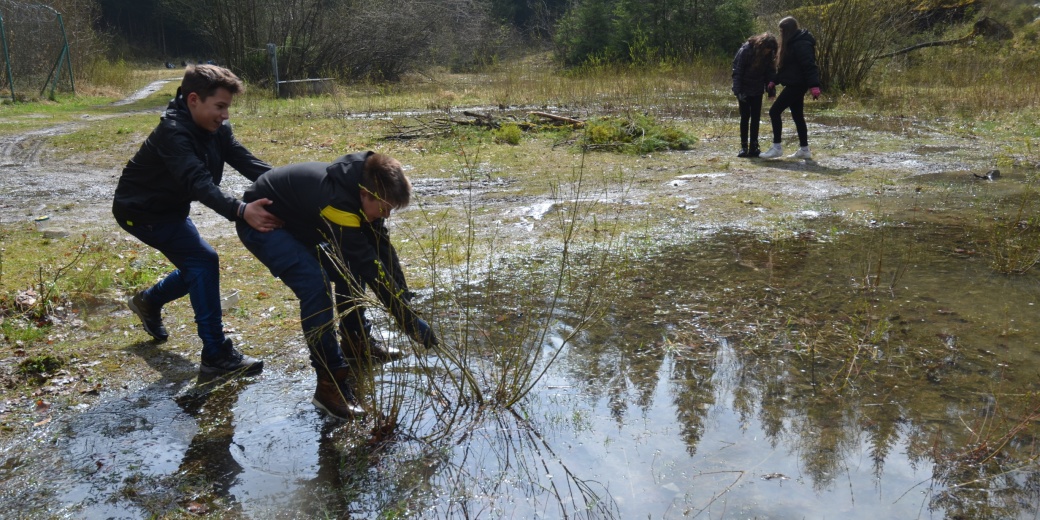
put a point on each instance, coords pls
(750, 112)
(197, 275)
(793, 98)
(299, 268)
(349, 294)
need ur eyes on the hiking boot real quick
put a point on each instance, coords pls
(334, 395)
(773, 152)
(362, 346)
(754, 152)
(231, 362)
(743, 152)
(802, 153)
(151, 319)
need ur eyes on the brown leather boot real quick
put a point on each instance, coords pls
(363, 347)
(334, 396)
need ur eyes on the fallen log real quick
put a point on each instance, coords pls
(562, 119)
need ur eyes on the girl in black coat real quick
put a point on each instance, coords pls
(798, 73)
(753, 69)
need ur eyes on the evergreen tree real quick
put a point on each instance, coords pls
(645, 30)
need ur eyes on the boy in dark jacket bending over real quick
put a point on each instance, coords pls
(180, 162)
(335, 233)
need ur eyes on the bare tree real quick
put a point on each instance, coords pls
(852, 33)
(348, 38)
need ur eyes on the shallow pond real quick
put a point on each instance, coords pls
(828, 371)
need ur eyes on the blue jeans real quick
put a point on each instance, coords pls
(298, 266)
(197, 275)
(350, 306)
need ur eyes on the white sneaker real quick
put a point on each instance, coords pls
(802, 153)
(773, 152)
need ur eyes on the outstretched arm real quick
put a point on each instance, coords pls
(256, 215)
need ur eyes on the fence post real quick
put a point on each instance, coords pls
(68, 54)
(7, 57)
(272, 51)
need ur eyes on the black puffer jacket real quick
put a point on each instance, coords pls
(180, 163)
(799, 66)
(320, 204)
(746, 80)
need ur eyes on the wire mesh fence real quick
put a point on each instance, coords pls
(35, 51)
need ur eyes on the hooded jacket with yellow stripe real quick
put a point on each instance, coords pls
(320, 204)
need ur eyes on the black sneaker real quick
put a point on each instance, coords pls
(151, 318)
(232, 361)
(743, 152)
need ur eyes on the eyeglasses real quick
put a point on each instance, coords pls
(384, 206)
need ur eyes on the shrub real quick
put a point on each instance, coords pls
(508, 133)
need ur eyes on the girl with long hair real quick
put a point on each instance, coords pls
(797, 71)
(753, 68)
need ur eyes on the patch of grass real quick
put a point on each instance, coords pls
(104, 144)
(116, 75)
(55, 268)
(19, 331)
(37, 367)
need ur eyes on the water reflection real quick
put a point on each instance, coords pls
(208, 458)
(875, 372)
(871, 357)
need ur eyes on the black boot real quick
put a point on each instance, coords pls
(151, 319)
(754, 151)
(231, 361)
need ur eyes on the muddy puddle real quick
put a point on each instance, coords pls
(859, 372)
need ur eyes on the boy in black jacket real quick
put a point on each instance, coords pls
(335, 234)
(180, 162)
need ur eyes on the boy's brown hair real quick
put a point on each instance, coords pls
(204, 80)
(384, 177)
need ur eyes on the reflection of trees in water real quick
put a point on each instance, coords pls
(824, 361)
(694, 393)
(833, 362)
(801, 358)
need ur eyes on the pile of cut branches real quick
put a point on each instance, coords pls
(444, 125)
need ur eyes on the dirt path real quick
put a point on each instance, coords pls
(73, 196)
